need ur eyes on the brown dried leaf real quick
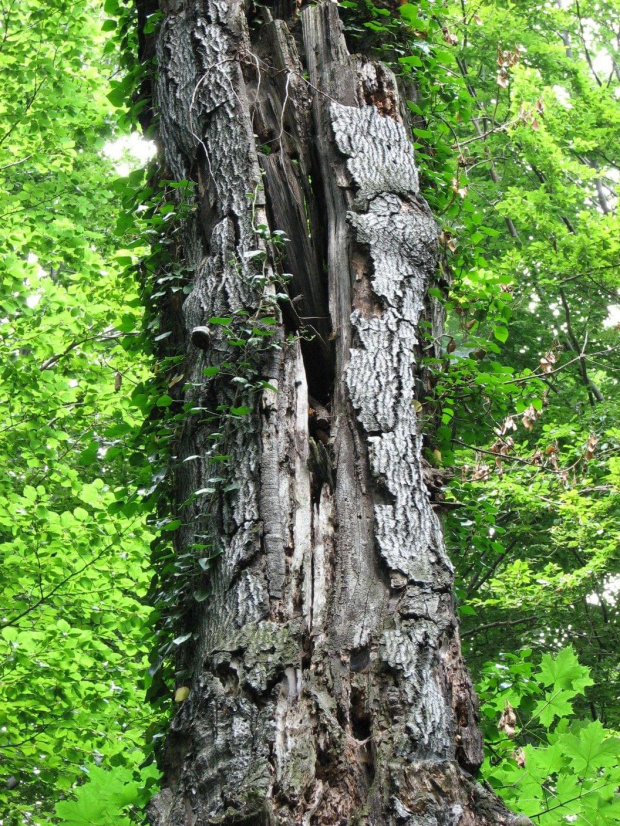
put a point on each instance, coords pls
(508, 721)
(481, 473)
(456, 187)
(502, 79)
(507, 446)
(530, 415)
(591, 446)
(508, 424)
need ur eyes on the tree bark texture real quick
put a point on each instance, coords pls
(327, 685)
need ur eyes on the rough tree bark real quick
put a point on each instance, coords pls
(327, 684)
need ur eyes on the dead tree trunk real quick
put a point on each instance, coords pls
(325, 673)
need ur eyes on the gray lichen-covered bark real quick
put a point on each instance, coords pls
(327, 685)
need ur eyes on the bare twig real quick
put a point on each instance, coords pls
(497, 624)
(15, 163)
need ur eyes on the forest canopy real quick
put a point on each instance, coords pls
(515, 119)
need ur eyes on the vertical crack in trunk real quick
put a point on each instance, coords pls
(327, 685)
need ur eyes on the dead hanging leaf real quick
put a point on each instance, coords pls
(536, 457)
(550, 449)
(535, 125)
(118, 381)
(503, 79)
(176, 379)
(451, 346)
(529, 417)
(508, 721)
(447, 240)
(448, 37)
(417, 406)
(477, 19)
(509, 444)
(547, 361)
(482, 473)
(470, 324)
(507, 425)
(503, 446)
(591, 446)
(540, 106)
(461, 191)
(519, 757)
(508, 57)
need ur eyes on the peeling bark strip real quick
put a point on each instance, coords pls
(327, 685)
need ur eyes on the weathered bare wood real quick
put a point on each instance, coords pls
(327, 685)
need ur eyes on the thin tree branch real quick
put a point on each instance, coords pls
(498, 624)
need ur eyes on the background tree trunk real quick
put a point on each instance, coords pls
(327, 685)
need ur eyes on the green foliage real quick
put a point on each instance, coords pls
(73, 631)
(544, 762)
(107, 795)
